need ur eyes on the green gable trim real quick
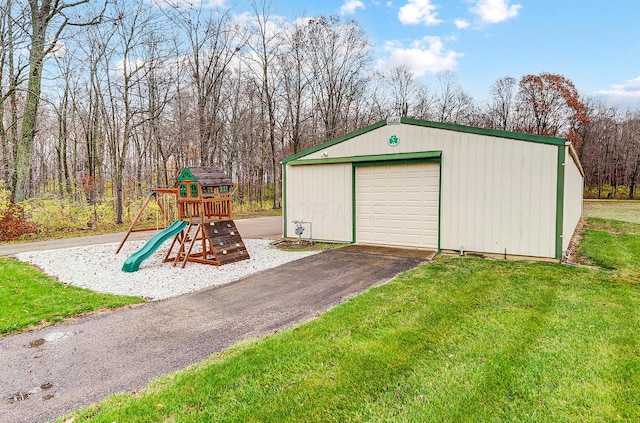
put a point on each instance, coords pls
(336, 141)
(437, 125)
(483, 131)
(560, 200)
(375, 158)
(186, 175)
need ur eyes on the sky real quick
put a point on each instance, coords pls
(594, 43)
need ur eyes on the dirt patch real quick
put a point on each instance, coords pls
(36, 343)
(304, 245)
(17, 397)
(572, 255)
(391, 251)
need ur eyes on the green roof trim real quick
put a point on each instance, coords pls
(186, 175)
(483, 131)
(336, 141)
(423, 156)
(540, 139)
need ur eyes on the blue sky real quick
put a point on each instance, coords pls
(594, 43)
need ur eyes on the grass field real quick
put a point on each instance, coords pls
(458, 339)
(626, 211)
(30, 298)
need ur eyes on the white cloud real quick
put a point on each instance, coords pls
(350, 6)
(461, 23)
(275, 24)
(418, 12)
(60, 49)
(495, 11)
(421, 57)
(629, 89)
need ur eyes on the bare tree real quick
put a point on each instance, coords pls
(124, 110)
(453, 104)
(502, 103)
(64, 112)
(426, 102)
(295, 81)
(158, 91)
(632, 150)
(339, 54)
(97, 47)
(213, 42)
(42, 14)
(12, 76)
(265, 48)
(402, 81)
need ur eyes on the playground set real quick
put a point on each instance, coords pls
(204, 231)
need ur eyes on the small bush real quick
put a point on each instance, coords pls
(14, 222)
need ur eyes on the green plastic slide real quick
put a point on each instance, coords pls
(132, 263)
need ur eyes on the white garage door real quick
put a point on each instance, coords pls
(398, 205)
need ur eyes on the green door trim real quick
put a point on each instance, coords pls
(428, 157)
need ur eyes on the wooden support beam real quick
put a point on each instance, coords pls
(135, 220)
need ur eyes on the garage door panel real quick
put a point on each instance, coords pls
(398, 205)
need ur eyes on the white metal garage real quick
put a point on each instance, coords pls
(397, 204)
(413, 183)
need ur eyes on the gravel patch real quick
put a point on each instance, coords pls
(97, 268)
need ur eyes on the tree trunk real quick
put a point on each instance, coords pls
(29, 121)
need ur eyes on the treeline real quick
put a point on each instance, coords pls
(115, 100)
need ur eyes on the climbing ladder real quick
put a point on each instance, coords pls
(214, 242)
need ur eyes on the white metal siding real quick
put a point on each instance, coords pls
(499, 196)
(397, 205)
(320, 194)
(573, 189)
(497, 193)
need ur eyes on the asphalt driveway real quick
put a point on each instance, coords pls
(48, 373)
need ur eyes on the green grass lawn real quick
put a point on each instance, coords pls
(31, 298)
(458, 339)
(627, 211)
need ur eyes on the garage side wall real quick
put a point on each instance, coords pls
(320, 194)
(573, 191)
(496, 193)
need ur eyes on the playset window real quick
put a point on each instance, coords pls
(194, 190)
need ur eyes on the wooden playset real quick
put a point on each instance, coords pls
(204, 231)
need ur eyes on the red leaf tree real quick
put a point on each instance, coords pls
(549, 104)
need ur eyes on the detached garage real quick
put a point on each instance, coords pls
(419, 184)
